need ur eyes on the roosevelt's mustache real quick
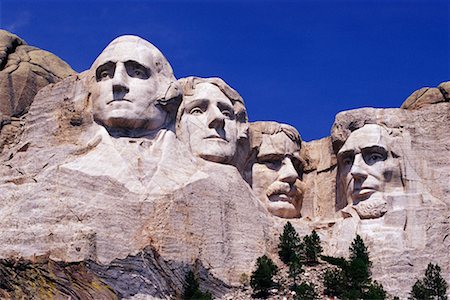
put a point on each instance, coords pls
(279, 187)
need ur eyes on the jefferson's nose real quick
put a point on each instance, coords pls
(287, 172)
(215, 118)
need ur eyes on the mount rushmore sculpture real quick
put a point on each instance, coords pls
(123, 165)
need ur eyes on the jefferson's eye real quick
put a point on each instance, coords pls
(196, 111)
(347, 161)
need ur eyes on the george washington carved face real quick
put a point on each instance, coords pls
(132, 77)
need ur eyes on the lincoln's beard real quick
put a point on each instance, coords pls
(372, 208)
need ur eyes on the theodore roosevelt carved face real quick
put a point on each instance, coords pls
(277, 169)
(211, 119)
(368, 168)
(133, 86)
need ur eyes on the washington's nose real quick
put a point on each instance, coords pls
(120, 80)
(358, 168)
(287, 171)
(215, 118)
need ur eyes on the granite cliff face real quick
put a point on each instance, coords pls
(123, 200)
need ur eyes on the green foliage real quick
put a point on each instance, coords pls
(295, 269)
(262, 278)
(335, 282)
(352, 278)
(191, 289)
(289, 244)
(312, 248)
(305, 291)
(336, 261)
(375, 291)
(358, 250)
(432, 286)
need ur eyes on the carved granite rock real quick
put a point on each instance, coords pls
(414, 227)
(275, 168)
(212, 121)
(75, 190)
(101, 189)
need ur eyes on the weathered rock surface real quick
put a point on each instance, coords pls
(426, 96)
(89, 214)
(415, 229)
(24, 70)
(82, 195)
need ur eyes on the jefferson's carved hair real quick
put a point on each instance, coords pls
(189, 84)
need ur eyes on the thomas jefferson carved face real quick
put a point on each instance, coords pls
(368, 169)
(276, 174)
(131, 76)
(208, 124)
(211, 119)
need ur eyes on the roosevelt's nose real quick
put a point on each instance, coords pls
(358, 169)
(120, 80)
(287, 172)
(216, 119)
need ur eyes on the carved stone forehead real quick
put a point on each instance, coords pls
(367, 136)
(277, 144)
(129, 47)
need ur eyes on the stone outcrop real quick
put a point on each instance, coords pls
(100, 196)
(24, 70)
(427, 96)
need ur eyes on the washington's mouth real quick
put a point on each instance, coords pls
(118, 100)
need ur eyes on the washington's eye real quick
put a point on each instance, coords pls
(136, 70)
(196, 111)
(105, 71)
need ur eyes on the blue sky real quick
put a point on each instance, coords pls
(296, 62)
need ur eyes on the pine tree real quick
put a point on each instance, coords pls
(289, 243)
(352, 279)
(191, 289)
(312, 248)
(295, 270)
(262, 278)
(359, 265)
(432, 286)
(306, 291)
